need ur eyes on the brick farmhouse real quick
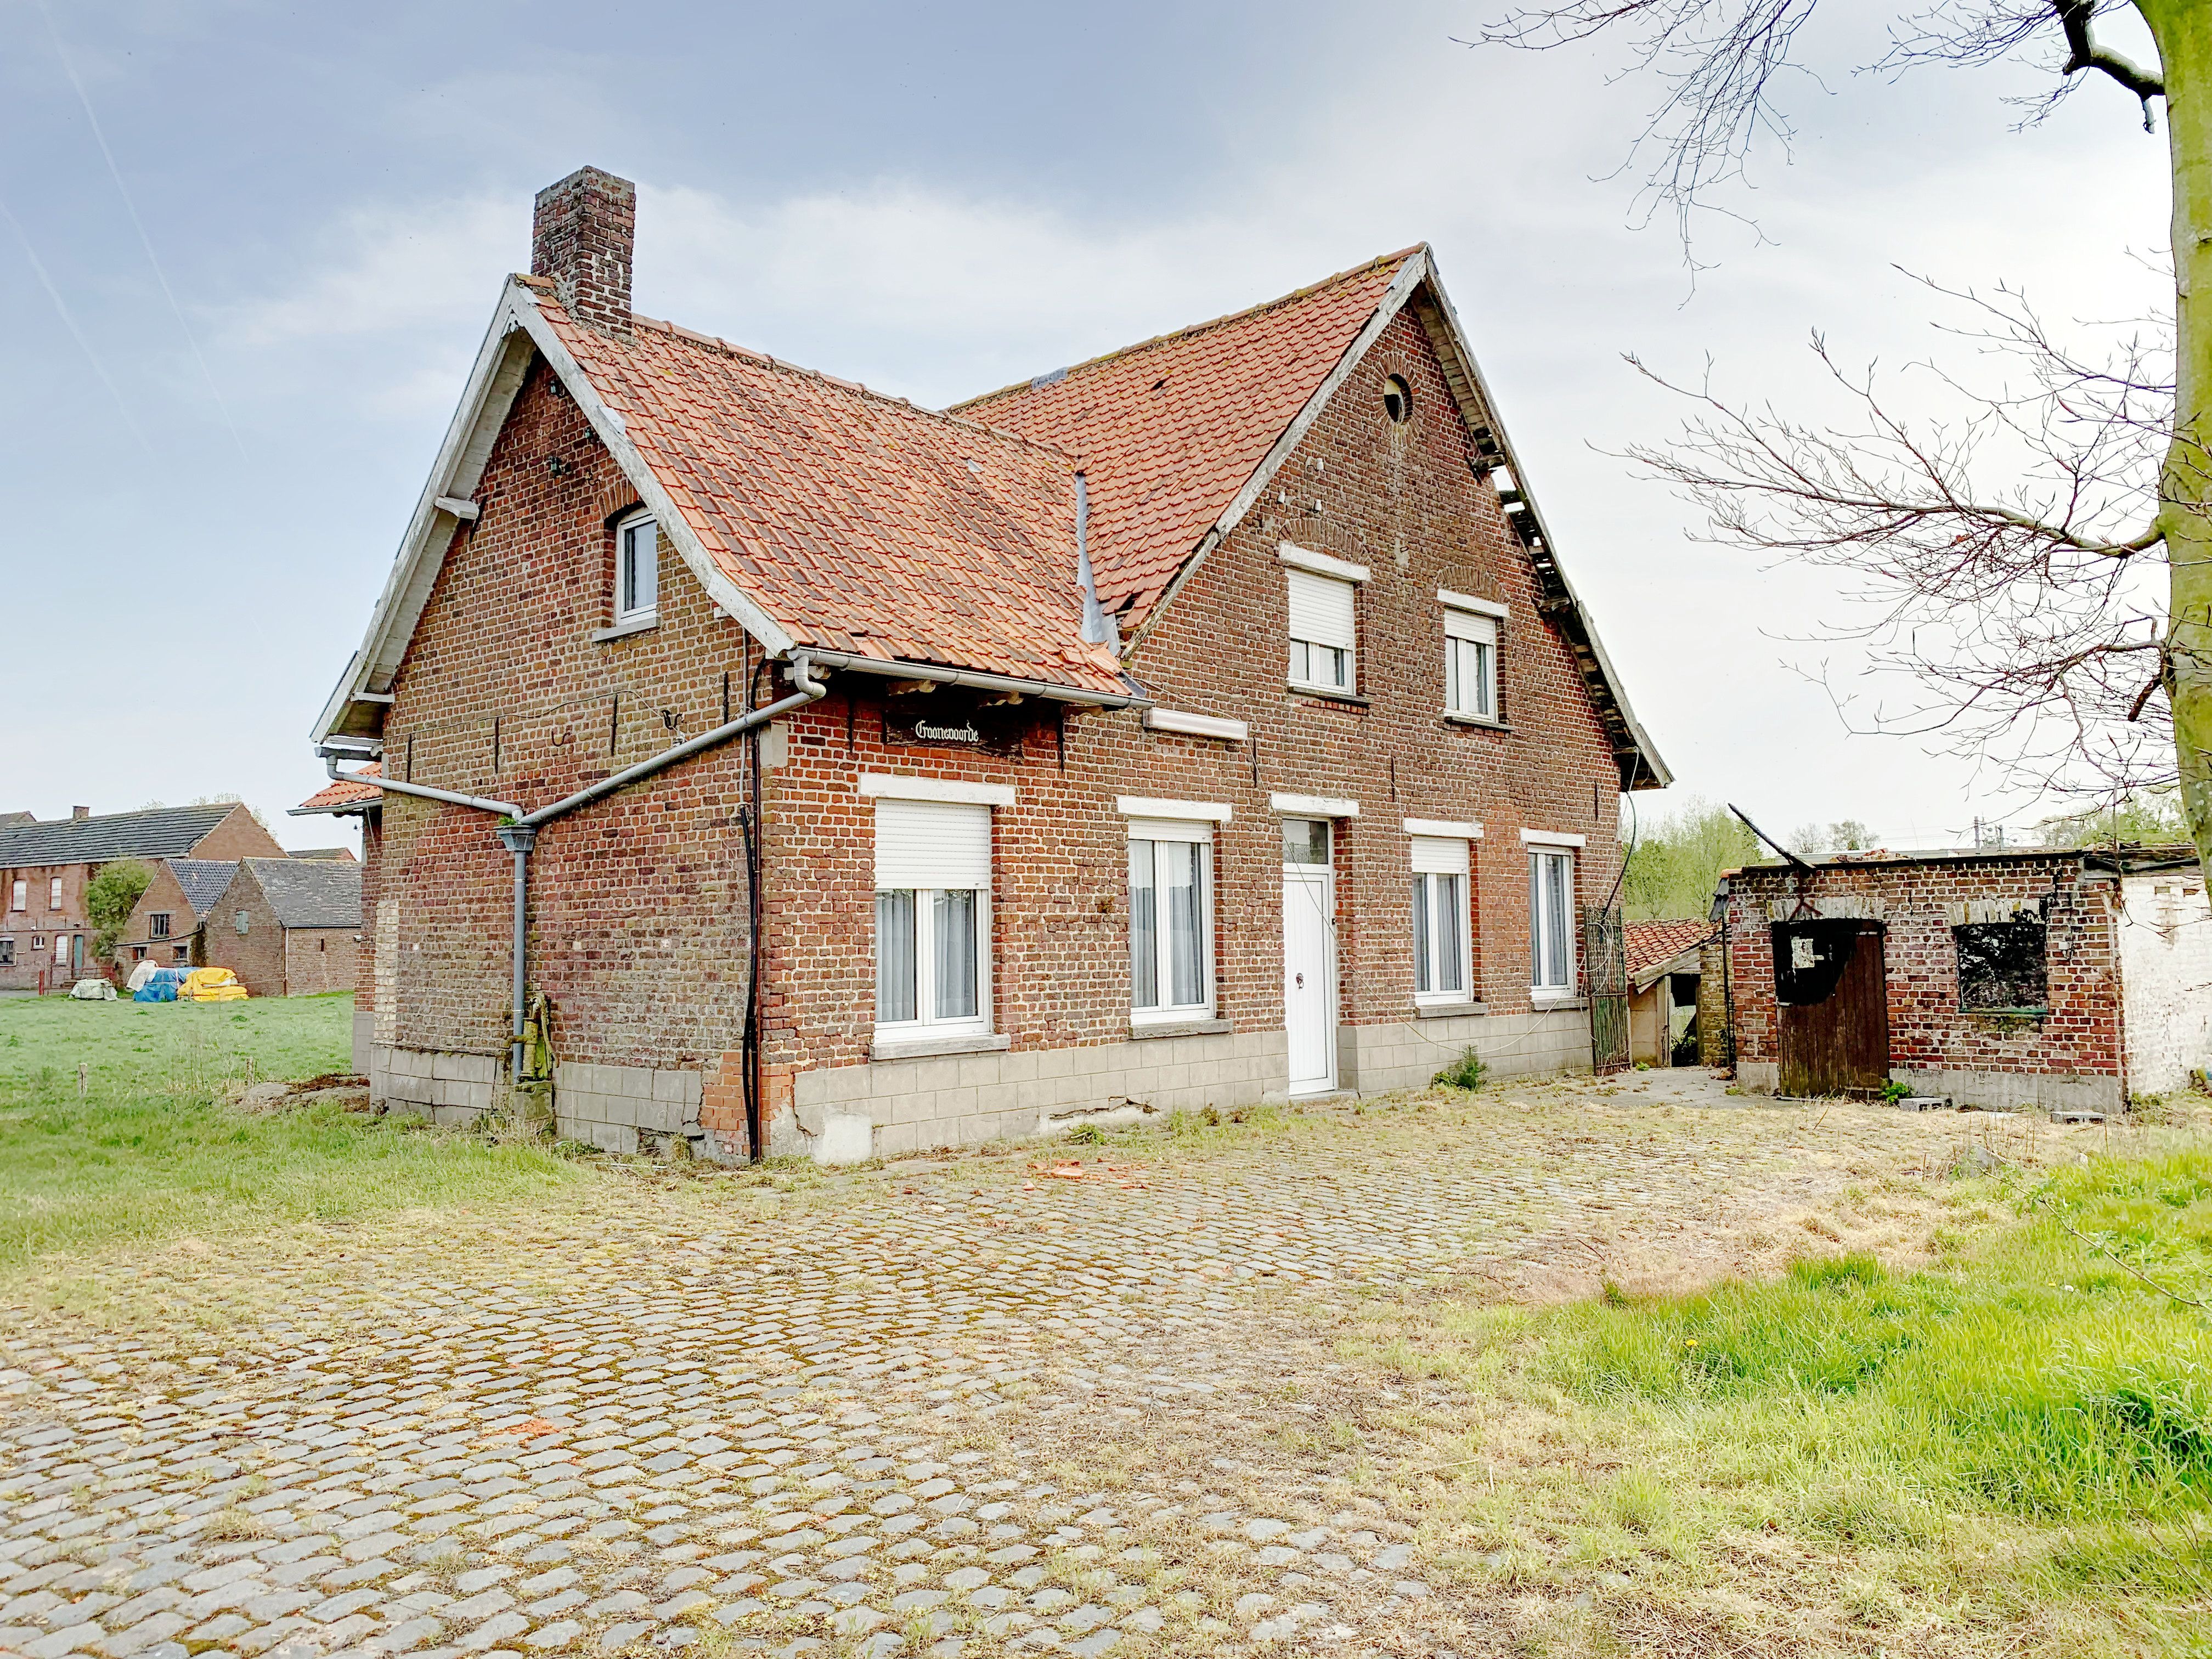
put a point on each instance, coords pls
(1205, 723)
(2067, 980)
(45, 937)
(166, 924)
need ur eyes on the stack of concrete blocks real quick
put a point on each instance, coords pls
(625, 1109)
(444, 1088)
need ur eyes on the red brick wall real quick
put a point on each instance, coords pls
(238, 836)
(41, 921)
(319, 959)
(638, 900)
(258, 956)
(162, 894)
(1928, 1031)
(372, 887)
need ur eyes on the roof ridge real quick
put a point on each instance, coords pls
(731, 348)
(1190, 330)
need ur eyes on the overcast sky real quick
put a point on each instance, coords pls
(229, 356)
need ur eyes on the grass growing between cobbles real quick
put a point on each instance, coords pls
(2009, 1451)
(147, 1152)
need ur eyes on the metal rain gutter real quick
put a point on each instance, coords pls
(518, 834)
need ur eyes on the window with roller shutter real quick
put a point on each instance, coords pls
(1324, 629)
(932, 918)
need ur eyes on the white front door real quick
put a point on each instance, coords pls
(1310, 976)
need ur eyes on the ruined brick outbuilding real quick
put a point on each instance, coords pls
(1208, 722)
(2066, 980)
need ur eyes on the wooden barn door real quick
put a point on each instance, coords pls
(1832, 994)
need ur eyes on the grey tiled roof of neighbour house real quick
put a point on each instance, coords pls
(310, 892)
(203, 880)
(159, 832)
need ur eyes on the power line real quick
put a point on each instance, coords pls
(75, 333)
(138, 225)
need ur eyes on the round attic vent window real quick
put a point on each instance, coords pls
(1397, 400)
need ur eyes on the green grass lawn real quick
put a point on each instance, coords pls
(2009, 1451)
(148, 1153)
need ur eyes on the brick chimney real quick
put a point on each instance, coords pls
(79, 811)
(581, 237)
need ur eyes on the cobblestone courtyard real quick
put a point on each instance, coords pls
(975, 1404)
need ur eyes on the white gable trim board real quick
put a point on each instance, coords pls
(496, 377)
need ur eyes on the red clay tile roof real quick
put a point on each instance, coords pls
(341, 793)
(1169, 431)
(1651, 943)
(859, 522)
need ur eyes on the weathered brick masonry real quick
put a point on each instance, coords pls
(2074, 1055)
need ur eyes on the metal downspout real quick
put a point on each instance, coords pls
(519, 836)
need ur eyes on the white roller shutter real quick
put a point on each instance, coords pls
(1465, 625)
(1199, 829)
(923, 843)
(1439, 856)
(1321, 609)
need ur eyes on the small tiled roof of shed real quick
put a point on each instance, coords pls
(158, 832)
(341, 794)
(310, 892)
(1652, 944)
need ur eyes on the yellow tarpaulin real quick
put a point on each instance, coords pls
(211, 985)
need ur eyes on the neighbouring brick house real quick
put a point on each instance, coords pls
(1205, 723)
(45, 937)
(165, 924)
(2066, 980)
(287, 926)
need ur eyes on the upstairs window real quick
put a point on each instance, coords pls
(241, 922)
(54, 893)
(1323, 631)
(933, 920)
(637, 567)
(1470, 664)
(19, 895)
(157, 925)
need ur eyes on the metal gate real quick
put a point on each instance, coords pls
(1605, 983)
(1832, 993)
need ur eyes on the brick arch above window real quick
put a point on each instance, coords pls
(617, 496)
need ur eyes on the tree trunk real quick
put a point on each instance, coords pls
(2183, 29)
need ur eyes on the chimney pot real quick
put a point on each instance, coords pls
(582, 235)
(79, 811)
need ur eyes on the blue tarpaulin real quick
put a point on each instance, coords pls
(161, 986)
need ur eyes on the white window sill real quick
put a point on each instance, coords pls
(1193, 1024)
(1482, 720)
(640, 623)
(1544, 1000)
(1334, 693)
(920, 1048)
(1447, 1010)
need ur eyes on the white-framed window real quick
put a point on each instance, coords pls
(933, 920)
(1551, 921)
(637, 567)
(157, 924)
(1170, 919)
(1324, 629)
(1443, 948)
(7, 953)
(19, 895)
(1470, 664)
(241, 921)
(61, 949)
(54, 892)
